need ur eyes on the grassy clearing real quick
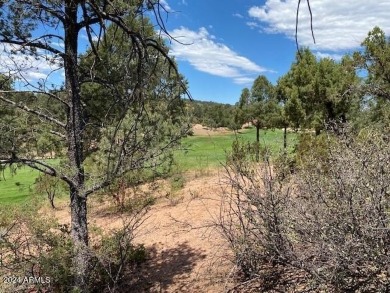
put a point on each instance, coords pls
(15, 188)
(199, 152)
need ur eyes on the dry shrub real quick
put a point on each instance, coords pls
(253, 210)
(33, 246)
(36, 252)
(340, 216)
(328, 223)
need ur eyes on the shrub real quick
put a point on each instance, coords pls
(340, 215)
(34, 245)
(253, 205)
(329, 222)
(177, 182)
(49, 186)
(313, 150)
(115, 256)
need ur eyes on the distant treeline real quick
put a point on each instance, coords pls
(212, 114)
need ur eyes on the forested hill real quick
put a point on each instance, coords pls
(212, 114)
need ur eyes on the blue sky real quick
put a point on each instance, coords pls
(230, 43)
(227, 44)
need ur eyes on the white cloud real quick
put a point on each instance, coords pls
(166, 6)
(244, 80)
(336, 57)
(34, 75)
(338, 24)
(252, 24)
(26, 67)
(84, 35)
(238, 15)
(201, 50)
(60, 45)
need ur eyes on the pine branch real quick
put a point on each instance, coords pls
(51, 95)
(32, 111)
(36, 165)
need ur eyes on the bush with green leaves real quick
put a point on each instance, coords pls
(49, 186)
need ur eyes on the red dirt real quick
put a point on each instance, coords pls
(186, 253)
(201, 130)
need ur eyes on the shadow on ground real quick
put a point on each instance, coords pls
(167, 269)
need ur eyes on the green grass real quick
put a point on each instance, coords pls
(15, 188)
(197, 153)
(200, 152)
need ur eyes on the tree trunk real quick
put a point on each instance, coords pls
(51, 195)
(257, 142)
(75, 133)
(79, 234)
(285, 138)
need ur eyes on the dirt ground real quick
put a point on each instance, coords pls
(189, 254)
(186, 253)
(200, 130)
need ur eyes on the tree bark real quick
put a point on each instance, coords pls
(79, 234)
(51, 195)
(285, 138)
(78, 206)
(257, 142)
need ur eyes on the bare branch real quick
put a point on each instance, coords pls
(89, 29)
(33, 44)
(297, 21)
(35, 112)
(56, 13)
(37, 165)
(61, 135)
(51, 95)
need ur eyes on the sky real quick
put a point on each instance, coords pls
(222, 46)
